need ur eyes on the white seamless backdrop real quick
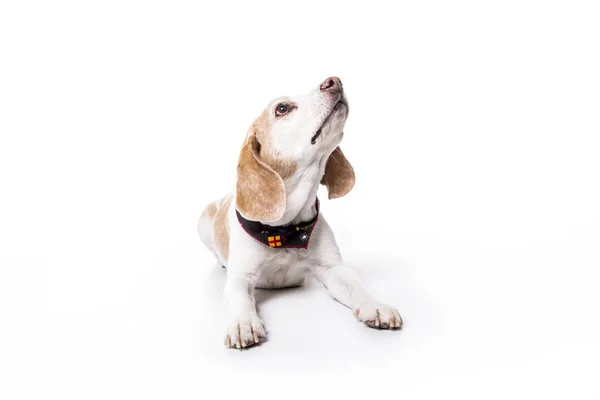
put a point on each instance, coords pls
(474, 132)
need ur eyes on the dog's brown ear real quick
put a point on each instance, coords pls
(339, 175)
(260, 193)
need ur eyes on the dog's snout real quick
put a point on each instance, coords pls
(331, 84)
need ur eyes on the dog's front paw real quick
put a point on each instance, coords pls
(245, 332)
(378, 315)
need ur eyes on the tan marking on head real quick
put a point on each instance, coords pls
(210, 210)
(261, 128)
(262, 170)
(221, 228)
(339, 175)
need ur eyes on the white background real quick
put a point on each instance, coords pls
(474, 132)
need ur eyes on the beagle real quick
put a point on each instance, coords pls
(270, 233)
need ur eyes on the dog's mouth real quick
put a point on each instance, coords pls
(340, 103)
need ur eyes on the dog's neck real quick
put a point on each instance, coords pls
(301, 193)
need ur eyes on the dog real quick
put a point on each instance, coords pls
(270, 233)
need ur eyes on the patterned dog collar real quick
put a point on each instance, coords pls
(283, 237)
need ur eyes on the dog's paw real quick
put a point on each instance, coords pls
(378, 315)
(245, 332)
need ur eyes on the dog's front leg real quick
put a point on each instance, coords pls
(344, 286)
(246, 329)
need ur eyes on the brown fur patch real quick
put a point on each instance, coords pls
(339, 175)
(261, 130)
(260, 192)
(221, 228)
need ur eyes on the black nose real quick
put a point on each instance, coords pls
(331, 84)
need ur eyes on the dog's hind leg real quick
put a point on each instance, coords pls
(214, 230)
(205, 226)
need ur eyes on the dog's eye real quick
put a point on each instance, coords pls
(282, 109)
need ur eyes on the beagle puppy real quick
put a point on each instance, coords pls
(270, 233)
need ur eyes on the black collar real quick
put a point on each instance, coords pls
(283, 237)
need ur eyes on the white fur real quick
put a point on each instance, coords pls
(253, 265)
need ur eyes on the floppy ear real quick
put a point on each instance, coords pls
(260, 193)
(339, 174)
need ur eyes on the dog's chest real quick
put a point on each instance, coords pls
(284, 268)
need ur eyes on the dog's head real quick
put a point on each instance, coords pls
(293, 135)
